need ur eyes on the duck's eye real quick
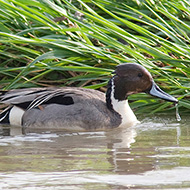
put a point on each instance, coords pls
(140, 75)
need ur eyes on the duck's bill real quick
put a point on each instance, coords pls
(157, 92)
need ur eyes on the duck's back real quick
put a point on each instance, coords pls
(68, 108)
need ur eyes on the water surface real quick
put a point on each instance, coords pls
(152, 155)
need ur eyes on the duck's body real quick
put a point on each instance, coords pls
(64, 108)
(79, 108)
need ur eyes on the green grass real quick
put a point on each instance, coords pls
(53, 42)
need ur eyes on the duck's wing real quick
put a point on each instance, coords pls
(34, 97)
(20, 96)
(27, 99)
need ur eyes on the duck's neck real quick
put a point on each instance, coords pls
(116, 100)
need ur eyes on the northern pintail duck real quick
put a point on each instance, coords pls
(78, 108)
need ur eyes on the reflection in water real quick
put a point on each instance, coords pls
(151, 154)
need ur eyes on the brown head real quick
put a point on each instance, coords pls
(132, 78)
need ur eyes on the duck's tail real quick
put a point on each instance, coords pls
(4, 115)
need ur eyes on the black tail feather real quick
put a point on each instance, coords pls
(4, 115)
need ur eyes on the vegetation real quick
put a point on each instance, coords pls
(79, 43)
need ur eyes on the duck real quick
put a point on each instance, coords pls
(77, 108)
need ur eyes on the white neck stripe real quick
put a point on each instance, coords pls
(123, 108)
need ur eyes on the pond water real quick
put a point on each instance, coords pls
(152, 155)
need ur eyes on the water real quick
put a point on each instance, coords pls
(152, 155)
(177, 113)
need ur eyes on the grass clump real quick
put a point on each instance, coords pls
(79, 43)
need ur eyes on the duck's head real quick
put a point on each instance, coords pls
(132, 78)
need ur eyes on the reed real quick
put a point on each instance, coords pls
(53, 42)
